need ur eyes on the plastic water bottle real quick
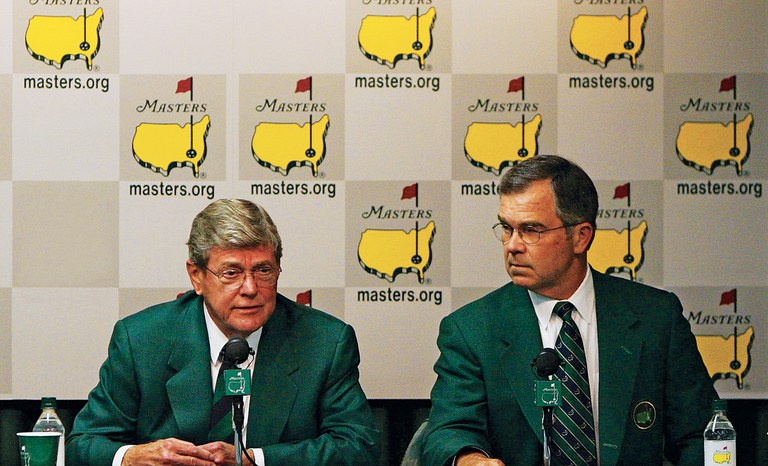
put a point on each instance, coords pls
(719, 437)
(49, 421)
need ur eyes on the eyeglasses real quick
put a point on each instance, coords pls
(529, 235)
(233, 278)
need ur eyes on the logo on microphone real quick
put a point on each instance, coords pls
(237, 382)
(548, 393)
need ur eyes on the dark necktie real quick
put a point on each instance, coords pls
(574, 426)
(220, 426)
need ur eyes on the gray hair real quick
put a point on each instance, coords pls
(232, 224)
(575, 193)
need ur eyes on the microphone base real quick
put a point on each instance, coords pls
(546, 426)
(238, 450)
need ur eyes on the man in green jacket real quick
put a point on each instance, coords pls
(154, 398)
(643, 392)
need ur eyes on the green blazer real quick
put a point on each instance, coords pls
(484, 397)
(307, 406)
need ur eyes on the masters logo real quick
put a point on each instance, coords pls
(57, 39)
(387, 253)
(389, 39)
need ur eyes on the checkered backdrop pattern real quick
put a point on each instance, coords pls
(89, 235)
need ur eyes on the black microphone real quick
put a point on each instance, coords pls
(235, 351)
(546, 362)
(547, 391)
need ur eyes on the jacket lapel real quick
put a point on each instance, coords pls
(190, 389)
(518, 331)
(620, 349)
(275, 362)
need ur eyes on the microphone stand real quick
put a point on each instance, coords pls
(544, 365)
(238, 417)
(235, 351)
(546, 424)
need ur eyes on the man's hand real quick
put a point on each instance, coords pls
(224, 453)
(170, 452)
(477, 459)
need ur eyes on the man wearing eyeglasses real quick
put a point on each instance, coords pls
(633, 388)
(155, 398)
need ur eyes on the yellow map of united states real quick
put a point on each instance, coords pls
(388, 253)
(727, 357)
(56, 39)
(282, 146)
(615, 251)
(164, 146)
(706, 145)
(389, 39)
(599, 39)
(494, 146)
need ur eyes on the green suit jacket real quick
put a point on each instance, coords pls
(484, 397)
(307, 406)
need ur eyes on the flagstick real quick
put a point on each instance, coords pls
(191, 88)
(85, 24)
(310, 131)
(191, 133)
(735, 142)
(523, 131)
(417, 240)
(629, 24)
(629, 239)
(417, 25)
(523, 83)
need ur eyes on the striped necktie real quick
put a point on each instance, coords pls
(574, 426)
(220, 425)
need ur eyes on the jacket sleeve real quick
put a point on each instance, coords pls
(458, 418)
(108, 420)
(689, 393)
(346, 433)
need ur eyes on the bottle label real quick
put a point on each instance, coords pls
(719, 452)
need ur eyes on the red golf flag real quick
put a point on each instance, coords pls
(185, 85)
(304, 85)
(516, 85)
(728, 84)
(409, 192)
(621, 191)
(728, 297)
(304, 298)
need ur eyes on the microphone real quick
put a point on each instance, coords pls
(237, 382)
(546, 362)
(235, 351)
(547, 393)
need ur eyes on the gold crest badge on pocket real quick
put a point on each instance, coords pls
(644, 415)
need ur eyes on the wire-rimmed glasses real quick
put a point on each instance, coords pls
(232, 277)
(528, 234)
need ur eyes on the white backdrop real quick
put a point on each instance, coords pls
(88, 234)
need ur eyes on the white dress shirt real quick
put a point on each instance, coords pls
(585, 319)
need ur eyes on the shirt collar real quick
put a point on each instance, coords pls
(217, 339)
(583, 298)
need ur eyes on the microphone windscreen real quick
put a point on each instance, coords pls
(235, 351)
(547, 362)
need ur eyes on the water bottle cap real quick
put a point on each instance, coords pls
(719, 405)
(48, 402)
